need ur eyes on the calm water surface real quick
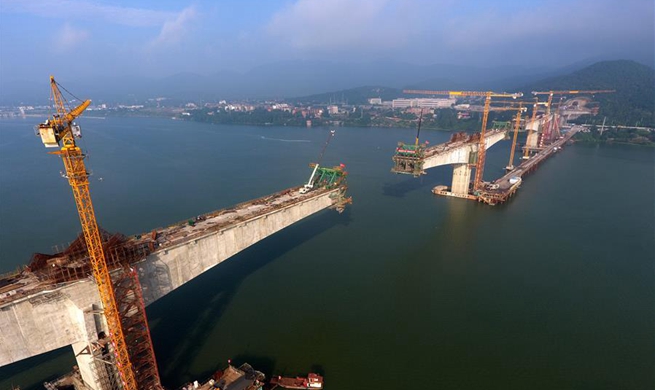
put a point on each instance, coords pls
(404, 290)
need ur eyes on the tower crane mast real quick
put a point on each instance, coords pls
(479, 165)
(519, 111)
(59, 131)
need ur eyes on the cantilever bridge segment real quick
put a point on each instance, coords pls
(54, 303)
(461, 151)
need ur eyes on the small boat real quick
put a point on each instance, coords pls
(313, 381)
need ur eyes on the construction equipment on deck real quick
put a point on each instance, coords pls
(310, 183)
(418, 130)
(60, 130)
(479, 165)
(413, 153)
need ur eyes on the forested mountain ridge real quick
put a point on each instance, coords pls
(632, 104)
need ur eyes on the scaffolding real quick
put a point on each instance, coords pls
(135, 327)
(72, 263)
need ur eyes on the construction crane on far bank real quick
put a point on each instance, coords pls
(549, 102)
(59, 130)
(573, 92)
(479, 165)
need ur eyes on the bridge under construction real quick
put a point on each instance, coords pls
(92, 295)
(500, 190)
(54, 302)
(466, 152)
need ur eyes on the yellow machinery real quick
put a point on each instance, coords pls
(479, 166)
(553, 93)
(59, 130)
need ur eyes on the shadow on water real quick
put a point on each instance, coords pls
(183, 321)
(400, 189)
(50, 365)
(317, 369)
(264, 364)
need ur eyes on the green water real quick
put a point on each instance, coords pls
(404, 290)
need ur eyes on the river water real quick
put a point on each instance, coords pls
(404, 290)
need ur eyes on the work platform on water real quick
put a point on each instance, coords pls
(461, 152)
(466, 152)
(500, 190)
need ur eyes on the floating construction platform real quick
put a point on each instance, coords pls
(500, 190)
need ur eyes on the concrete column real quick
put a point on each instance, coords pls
(461, 179)
(93, 323)
(532, 139)
(85, 363)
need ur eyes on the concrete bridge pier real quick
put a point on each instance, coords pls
(97, 370)
(532, 140)
(461, 179)
(85, 363)
(94, 372)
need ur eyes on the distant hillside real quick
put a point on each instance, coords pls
(632, 103)
(358, 95)
(274, 81)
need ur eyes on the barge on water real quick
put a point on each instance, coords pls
(312, 381)
(232, 378)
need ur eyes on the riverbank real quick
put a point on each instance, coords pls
(616, 137)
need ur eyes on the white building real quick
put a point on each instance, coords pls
(401, 103)
(423, 103)
(375, 101)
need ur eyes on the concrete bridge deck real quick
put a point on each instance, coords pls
(461, 152)
(38, 315)
(461, 149)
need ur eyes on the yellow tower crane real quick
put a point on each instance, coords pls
(553, 93)
(59, 130)
(573, 92)
(479, 165)
(519, 110)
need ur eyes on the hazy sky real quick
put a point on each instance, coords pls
(92, 38)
